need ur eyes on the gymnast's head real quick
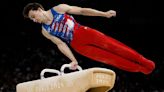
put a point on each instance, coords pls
(35, 12)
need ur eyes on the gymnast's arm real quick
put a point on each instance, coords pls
(64, 8)
(62, 46)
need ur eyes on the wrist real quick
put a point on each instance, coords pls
(75, 62)
(104, 14)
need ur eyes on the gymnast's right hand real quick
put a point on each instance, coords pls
(74, 65)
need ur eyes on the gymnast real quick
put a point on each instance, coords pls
(59, 26)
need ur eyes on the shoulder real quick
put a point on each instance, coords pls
(62, 8)
(55, 39)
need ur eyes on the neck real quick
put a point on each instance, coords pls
(48, 17)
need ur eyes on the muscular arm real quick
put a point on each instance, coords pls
(64, 8)
(61, 46)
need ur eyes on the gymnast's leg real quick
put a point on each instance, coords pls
(94, 44)
(118, 48)
(109, 58)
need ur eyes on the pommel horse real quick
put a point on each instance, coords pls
(88, 80)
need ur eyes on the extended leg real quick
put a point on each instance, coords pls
(118, 48)
(100, 47)
(104, 56)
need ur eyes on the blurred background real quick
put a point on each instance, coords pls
(24, 52)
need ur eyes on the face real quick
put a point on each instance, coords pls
(36, 15)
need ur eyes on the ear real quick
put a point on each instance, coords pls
(40, 9)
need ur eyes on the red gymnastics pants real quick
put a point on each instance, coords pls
(97, 46)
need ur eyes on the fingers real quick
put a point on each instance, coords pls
(73, 65)
(110, 13)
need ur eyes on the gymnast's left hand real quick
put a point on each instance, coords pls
(110, 13)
